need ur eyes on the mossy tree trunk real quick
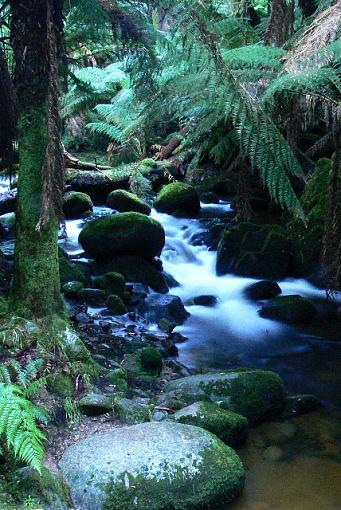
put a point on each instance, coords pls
(36, 290)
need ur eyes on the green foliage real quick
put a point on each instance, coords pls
(73, 414)
(19, 416)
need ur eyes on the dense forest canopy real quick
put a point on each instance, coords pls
(123, 124)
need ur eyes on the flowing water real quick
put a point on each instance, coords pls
(293, 465)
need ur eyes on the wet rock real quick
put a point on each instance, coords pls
(159, 306)
(72, 289)
(255, 394)
(77, 204)
(95, 404)
(248, 249)
(8, 202)
(115, 305)
(123, 201)
(205, 300)
(178, 198)
(83, 318)
(290, 309)
(301, 404)
(95, 297)
(137, 269)
(111, 282)
(232, 428)
(122, 234)
(154, 466)
(266, 289)
(209, 198)
(131, 412)
(70, 272)
(138, 292)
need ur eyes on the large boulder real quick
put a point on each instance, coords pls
(76, 204)
(152, 466)
(160, 306)
(254, 250)
(137, 269)
(230, 427)
(289, 309)
(123, 201)
(255, 394)
(122, 234)
(265, 289)
(178, 198)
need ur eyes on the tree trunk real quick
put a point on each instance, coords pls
(281, 21)
(36, 33)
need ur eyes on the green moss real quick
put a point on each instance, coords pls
(137, 269)
(230, 427)
(70, 272)
(76, 204)
(123, 234)
(211, 488)
(95, 404)
(178, 198)
(71, 289)
(115, 305)
(60, 384)
(131, 412)
(151, 360)
(112, 282)
(123, 201)
(137, 375)
(289, 309)
(3, 305)
(118, 378)
(36, 284)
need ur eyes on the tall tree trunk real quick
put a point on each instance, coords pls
(280, 24)
(36, 35)
(7, 114)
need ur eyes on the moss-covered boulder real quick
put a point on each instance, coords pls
(232, 428)
(123, 201)
(97, 185)
(76, 204)
(248, 249)
(95, 297)
(137, 269)
(112, 282)
(289, 309)
(72, 289)
(94, 404)
(138, 375)
(152, 466)
(70, 272)
(151, 360)
(255, 394)
(131, 412)
(265, 289)
(178, 198)
(123, 234)
(115, 305)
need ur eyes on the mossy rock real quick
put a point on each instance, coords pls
(18, 333)
(137, 269)
(131, 412)
(112, 282)
(123, 234)
(290, 309)
(123, 201)
(118, 378)
(45, 488)
(72, 289)
(60, 384)
(97, 185)
(95, 404)
(256, 394)
(265, 289)
(137, 374)
(77, 204)
(178, 198)
(152, 466)
(253, 250)
(151, 360)
(232, 428)
(115, 305)
(69, 272)
(95, 297)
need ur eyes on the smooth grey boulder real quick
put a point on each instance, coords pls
(152, 466)
(163, 306)
(255, 394)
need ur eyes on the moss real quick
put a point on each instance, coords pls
(76, 204)
(230, 427)
(137, 375)
(60, 384)
(211, 488)
(71, 289)
(122, 234)
(118, 378)
(137, 269)
(123, 201)
(112, 282)
(178, 198)
(151, 360)
(36, 291)
(115, 305)
(3, 305)
(70, 272)
(95, 404)
(289, 309)
(131, 412)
